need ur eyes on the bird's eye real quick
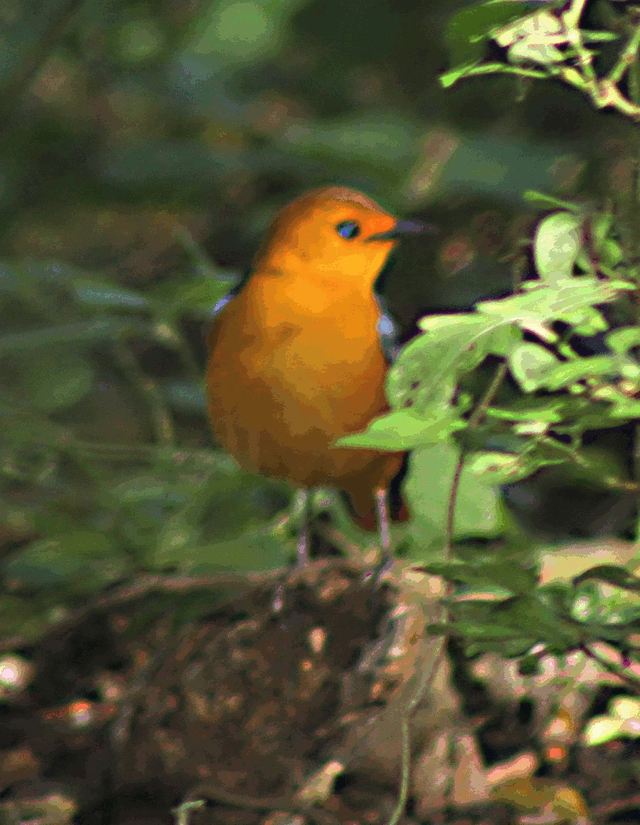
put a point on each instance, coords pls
(348, 229)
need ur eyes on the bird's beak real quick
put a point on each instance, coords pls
(400, 229)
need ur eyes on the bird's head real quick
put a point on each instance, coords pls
(331, 233)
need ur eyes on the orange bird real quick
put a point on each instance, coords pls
(296, 359)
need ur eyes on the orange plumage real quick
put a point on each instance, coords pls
(295, 358)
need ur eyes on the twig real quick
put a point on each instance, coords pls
(626, 59)
(424, 682)
(144, 587)
(264, 803)
(614, 807)
(603, 92)
(621, 672)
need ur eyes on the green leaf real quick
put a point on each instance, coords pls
(449, 78)
(610, 574)
(533, 39)
(530, 363)
(142, 488)
(550, 410)
(428, 489)
(598, 37)
(600, 225)
(587, 321)
(602, 729)
(360, 139)
(549, 202)
(569, 299)
(427, 370)
(404, 430)
(104, 295)
(236, 32)
(55, 378)
(80, 562)
(623, 408)
(556, 244)
(482, 633)
(255, 549)
(506, 468)
(199, 294)
(611, 253)
(623, 339)
(178, 536)
(569, 372)
(81, 332)
(507, 576)
(24, 426)
(529, 613)
(468, 31)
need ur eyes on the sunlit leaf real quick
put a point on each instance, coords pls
(556, 245)
(549, 202)
(530, 363)
(601, 729)
(623, 339)
(468, 30)
(427, 369)
(506, 468)
(404, 430)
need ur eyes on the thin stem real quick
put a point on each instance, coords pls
(571, 20)
(476, 418)
(304, 539)
(266, 803)
(572, 15)
(627, 59)
(424, 682)
(621, 672)
(146, 586)
(611, 482)
(451, 508)
(162, 420)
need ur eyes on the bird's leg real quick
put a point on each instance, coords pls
(382, 513)
(384, 522)
(304, 539)
(386, 556)
(302, 549)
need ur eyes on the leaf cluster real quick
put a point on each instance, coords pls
(99, 511)
(543, 43)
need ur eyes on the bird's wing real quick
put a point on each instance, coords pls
(221, 304)
(388, 331)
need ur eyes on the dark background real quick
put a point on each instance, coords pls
(144, 148)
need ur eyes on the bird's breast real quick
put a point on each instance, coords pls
(284, 384)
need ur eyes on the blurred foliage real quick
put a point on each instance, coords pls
(144, 148)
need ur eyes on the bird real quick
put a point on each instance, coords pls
(297, 355)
